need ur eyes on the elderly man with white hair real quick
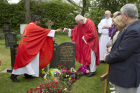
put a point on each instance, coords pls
(103, 30)
(87, 44)
(124, 57)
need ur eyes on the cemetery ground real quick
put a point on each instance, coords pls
(82, 85)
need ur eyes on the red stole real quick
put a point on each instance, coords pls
(83, 50)
(34, 39)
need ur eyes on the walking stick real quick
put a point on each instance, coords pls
(105, 77)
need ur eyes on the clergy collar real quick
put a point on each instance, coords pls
(32, 23)
(85, 20)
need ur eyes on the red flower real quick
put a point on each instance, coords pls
(59, 63)
(31, 89)
(66, 67)
(63, 64)
(76, 73)
(41, 91)
(48, 87)
(61, 67)
(73, 80)
(57, 91)
(27, 91)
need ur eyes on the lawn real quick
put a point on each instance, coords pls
(82, 85)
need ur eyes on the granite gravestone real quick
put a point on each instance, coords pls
(64, 54)
(13, 52)
(10, 39)
(6, 28)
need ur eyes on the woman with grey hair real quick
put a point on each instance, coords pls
(120, 26)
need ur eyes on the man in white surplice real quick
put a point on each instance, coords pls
(103, 30)
(32, 68)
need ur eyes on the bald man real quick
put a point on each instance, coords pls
(103, 30)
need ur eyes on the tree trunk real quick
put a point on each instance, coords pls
(27, 11)
(83, 8)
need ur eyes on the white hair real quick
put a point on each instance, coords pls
(117, 12)
(108, 11)
(79, 17)
(131, 10)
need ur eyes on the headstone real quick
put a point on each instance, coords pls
(22, 26)
(10, 39)
(6, 28)
(64, 54)
(13, 51)
(49, 24)
(74, 25)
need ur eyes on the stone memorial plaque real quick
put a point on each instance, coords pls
(6, 28)
(10, 39)
(13, 52)
(22, 26)
(65, 54)
(74, 25)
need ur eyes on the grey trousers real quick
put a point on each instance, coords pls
(119, 89)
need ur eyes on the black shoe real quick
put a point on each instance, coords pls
(102, 62)
(14, 79)
(29, 76)
(90, 74)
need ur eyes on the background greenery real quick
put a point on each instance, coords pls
(61, 13)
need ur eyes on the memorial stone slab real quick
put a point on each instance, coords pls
(22, 26)
(65, 54)
(6, 28)
(10, 39)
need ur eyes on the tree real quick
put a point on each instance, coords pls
(27, 11)
(4, 1)
(83, 5)
(113, 5)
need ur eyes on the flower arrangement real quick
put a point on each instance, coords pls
(57, 80)
(51, 87)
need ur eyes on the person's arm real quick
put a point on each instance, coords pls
(128, 44)
(52, 32)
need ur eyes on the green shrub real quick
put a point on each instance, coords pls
(2, 36)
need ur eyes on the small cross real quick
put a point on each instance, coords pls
(49, 24)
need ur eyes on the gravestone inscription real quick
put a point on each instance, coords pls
(65, 54)
(6, 28)
(10, 39)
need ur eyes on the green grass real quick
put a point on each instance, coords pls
(82, 85)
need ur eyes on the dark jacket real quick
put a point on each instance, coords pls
(124, 58)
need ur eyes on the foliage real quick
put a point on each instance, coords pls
(113, 5)
(12, 14)
(62, 14)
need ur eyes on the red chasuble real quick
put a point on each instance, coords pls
(83, 50)
(34, 40)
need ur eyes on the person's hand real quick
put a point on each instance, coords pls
(66, 29)
(109, 49)
(58, 30)
(105, 56)
(112, 24)
(105, 27)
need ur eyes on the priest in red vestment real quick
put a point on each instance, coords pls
(35, 50)
(87, 44)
